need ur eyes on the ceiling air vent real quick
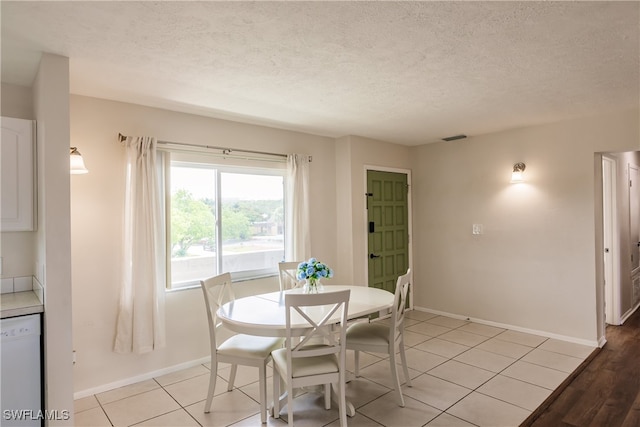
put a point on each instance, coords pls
(453, 138)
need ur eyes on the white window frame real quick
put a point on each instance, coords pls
(225, 164)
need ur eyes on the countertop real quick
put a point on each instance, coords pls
(20, 304)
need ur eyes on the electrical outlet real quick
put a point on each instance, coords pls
(0, 266)
(477, 229)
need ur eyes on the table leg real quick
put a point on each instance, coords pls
(351, 410)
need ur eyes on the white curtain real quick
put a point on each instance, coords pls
(140, 326)
(298, 244)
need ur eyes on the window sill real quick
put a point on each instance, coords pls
(234, 280)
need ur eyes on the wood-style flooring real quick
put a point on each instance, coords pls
(604, 391)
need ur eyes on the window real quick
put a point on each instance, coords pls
(222, 219)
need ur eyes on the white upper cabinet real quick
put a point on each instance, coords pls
(17, 175)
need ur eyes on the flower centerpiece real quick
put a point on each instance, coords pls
(312, 271)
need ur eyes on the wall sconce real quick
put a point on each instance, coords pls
(76, 162)
(516, 175)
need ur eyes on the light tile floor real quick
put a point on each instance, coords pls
(463, 374)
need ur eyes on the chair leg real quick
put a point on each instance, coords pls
(327, 396)
(395, 377)
(232, 377)
(289, 401)
(262, 382)
(276, 392)
(405, 368)
(212, 386)
(342, 402)
(356, 359)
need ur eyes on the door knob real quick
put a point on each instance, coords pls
(372, 256)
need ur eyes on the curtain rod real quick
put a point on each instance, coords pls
(225, 150)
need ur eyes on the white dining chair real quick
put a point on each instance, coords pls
(237, 350)
(379, 337)
(311, 361)
(288, 274)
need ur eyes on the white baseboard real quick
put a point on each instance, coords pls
(138, 378)
(602, 341)
(513, 328)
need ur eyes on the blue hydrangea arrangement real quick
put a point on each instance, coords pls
(313, 270)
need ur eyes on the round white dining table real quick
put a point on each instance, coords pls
(265, 314)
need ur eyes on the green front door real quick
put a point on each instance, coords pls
(388, 224)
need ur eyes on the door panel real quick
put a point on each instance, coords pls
(388, 241)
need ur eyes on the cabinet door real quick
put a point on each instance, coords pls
(17, 175)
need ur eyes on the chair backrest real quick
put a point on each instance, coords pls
(316, 318)
(399, 306)
(289, 275)
(217, 291)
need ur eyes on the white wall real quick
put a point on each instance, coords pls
(16, 101)
(96, 213)
(534, 266)
(53, 260)
(355, 155)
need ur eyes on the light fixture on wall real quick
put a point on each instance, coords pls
(76, 162)
(516, 175)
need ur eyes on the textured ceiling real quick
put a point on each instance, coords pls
(405, 72)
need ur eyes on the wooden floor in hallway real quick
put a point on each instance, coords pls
(606, 392)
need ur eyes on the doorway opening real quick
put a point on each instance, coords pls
(610, 242)
(618, 238)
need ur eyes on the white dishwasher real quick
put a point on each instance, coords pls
(20, 393)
